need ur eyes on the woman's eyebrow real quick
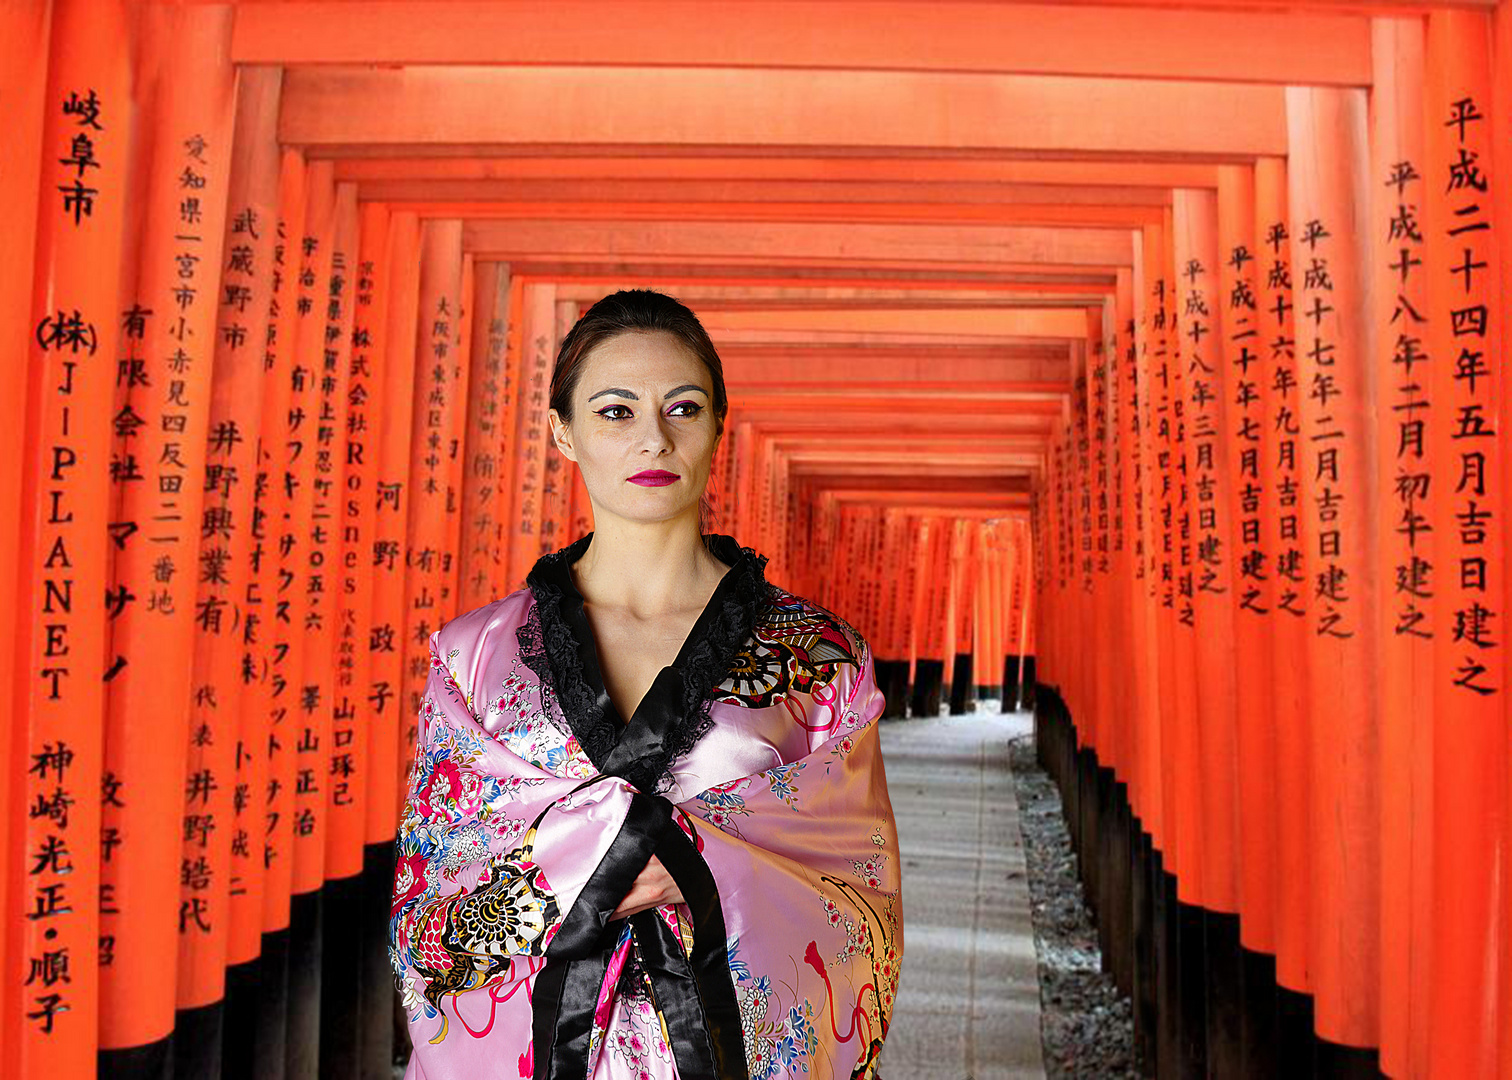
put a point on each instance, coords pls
(680, 389)
(618, 391)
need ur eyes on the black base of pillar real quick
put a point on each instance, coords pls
(960, 684)
(1225, 994)
(1012, 688)
(1028, 683)
(379, 997)
(892, 680)
(340, 985)
(1258, 971)
(256, 1004)
(1347, 1062)
(1142, 918)
(1191, 990)
(1204, 1005)
(151, 1061)
(198, 1040)
(925, 699)
(305, 962)
(1296, 1045)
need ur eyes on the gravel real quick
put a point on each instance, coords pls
(1086, 1025)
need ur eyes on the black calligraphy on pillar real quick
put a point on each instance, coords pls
(493, 400)
(1413, 586)
(50, 901)
(78, 193)
(1474, 543)
(1102, 540)
(1325, 385)
(1202, 387)
(1247, 422)
(1164, 411)
(534, 432)
(1133, 407)
(1083, 466)
(1285, 426)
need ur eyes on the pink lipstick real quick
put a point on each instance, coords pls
(654, 478)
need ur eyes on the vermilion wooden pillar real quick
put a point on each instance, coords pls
(1242, 355)
(1502, 167)
(1501, 163)
(1206, 393)
(1281, 543)
(159, 470)
(439, 299)
(1106, 737)
(556, 495)
(354, 777)
(1143, 503)
(222, 923)
(1126, 545)
(392, 720)
(24, 32)
(305, 716)
(333, 719)
(1152, 969)
(1081, 684)
(61, 559)
(368, 768)
(1187, 778)
(246, 374)
(1252, 602)
(276, 737)
(333, 724)
(532, 433)
(487, 402)
(1464, 338)
(1406, 535)
(1163, 479)
(1196, 869)
(1329, 163)
(456, 445)
(303, 561)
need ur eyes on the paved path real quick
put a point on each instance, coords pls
(968, 1005)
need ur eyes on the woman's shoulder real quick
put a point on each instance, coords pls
(506, 614)
(787, 616)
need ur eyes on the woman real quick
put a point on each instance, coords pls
(708, 889)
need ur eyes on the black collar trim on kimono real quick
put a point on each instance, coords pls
(674, 714)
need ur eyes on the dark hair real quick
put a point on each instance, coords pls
(633, 311)
(637, 311)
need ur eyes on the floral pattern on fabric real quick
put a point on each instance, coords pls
(794, 647)
(779, 1039)
(453, 820)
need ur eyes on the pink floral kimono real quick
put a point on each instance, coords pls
(751, 769)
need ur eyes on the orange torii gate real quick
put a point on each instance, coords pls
(1197, 425)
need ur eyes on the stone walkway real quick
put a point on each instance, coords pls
(969, 1003)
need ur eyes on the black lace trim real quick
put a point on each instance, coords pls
(532, 644)
(552, 649)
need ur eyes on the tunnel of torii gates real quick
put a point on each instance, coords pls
(1163, 347)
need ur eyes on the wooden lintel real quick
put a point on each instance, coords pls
(1153, 41)
(802, 110)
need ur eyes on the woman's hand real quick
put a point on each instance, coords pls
(652, 888)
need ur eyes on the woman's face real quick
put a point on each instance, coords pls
(643, 427)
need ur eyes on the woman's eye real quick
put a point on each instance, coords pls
(687, 408)
(615, 412)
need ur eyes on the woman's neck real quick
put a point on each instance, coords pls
(647, 568)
